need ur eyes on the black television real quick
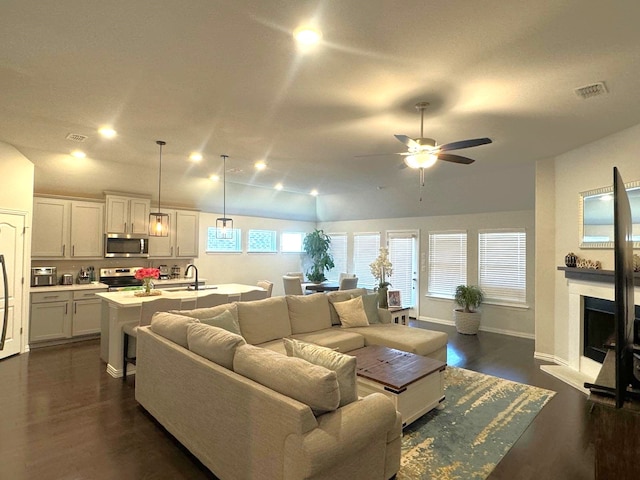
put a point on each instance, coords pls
(618, 377)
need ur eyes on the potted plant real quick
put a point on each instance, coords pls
(380, 269)
(467, 318)
(316, 245)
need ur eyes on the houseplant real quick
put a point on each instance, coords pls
(467, 318)
(381, 268)
(316, 245)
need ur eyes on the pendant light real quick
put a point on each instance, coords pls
(224, 225)
(158, 221)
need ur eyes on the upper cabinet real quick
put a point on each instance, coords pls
(128, 215)
(67, 228)
(182, 241)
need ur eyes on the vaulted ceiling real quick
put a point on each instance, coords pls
(225, 77)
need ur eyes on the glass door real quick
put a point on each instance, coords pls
(403, 254)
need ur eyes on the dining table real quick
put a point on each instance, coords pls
(322, 287)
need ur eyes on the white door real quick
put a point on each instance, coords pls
(12, 250)
(403, 254)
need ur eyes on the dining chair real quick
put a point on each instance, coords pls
(348, 283)
(346, 275)
(292, 285)
(147, 309)
(267, 285)
(212, 300)
(254, 295)
(296, 274)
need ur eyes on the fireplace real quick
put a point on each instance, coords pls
(599, 327)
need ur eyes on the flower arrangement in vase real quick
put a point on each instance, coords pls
(382, 268)
(146, 275)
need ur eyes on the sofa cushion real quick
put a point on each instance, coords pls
(351, 313)
(343, 365)
(310, 384)
(209, 312)
(225, 320)
(370, 302)
(213, 343)
(409, 339)
(308, 313)
(172, 327)
(335, 337)
(341, 296)
(264, 320)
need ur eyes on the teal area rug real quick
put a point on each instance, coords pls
(483, 416)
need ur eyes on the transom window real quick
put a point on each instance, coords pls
(224, 245)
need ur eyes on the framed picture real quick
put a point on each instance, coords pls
(393, 298)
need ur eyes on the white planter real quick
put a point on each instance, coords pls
(467, 323)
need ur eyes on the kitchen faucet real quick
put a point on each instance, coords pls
(186, 272)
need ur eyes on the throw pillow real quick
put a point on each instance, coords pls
(343, 365)
(225, 320)
(351, 313)
(213, 343)
(370, 303)
(264, 320)
(308, 313)
(172, 327)
(310, 384)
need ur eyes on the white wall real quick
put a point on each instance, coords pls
(244, 267)
(585, 168)
(515, 321)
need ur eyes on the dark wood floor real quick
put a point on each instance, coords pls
(63, 417)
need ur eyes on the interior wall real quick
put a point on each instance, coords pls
(585, 168)
(248, 268)
(503, 319)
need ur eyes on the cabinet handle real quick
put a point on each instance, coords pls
(51, 296)
(132, 230)
(66, 308)
(178, 251)
(64, 249)
(73, 250)
(172, 250)
(125, 227)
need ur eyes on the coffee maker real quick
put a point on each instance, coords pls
(85, 275)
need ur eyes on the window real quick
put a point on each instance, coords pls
(366, 247)
(222, 245)
(339, 252)
(261, 241)
(502, 266)
(447, 262)
(291, 242)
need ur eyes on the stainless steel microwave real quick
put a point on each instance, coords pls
(125, 246)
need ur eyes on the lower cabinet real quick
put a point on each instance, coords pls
(63, 315)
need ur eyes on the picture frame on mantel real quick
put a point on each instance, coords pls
(394, 298)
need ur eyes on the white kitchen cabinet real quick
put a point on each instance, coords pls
(182, 241)
(127, 215)
(67, 228)
(87, 311)
(50, 316)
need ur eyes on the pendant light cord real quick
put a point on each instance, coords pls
(224, 186)
(161, 143)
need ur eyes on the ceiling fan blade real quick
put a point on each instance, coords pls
(449, 157)
(376, 155)
(474, 142)
(408, 141)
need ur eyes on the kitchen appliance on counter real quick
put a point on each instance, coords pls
(119, 278)
(164, 272)
(44, 276)
(85, 275)
(66, 279)
(175, 272)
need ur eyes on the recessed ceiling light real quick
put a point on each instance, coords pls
(195, 156)
(214, 178)
(78, 154)
(278, 186)
(314, 192)
(107, 132)
(307, 36)
(260, 165)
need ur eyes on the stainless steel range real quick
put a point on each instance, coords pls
(119, 278)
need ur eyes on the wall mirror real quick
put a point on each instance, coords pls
(596, 216)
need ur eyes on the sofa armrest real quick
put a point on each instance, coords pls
(384, 315)
(349, 443)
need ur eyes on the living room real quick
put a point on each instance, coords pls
(515, 71)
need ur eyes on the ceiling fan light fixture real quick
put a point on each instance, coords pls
(421, 160)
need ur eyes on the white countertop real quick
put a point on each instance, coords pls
(69, 288)
(126, 298)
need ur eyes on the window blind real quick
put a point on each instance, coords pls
(447, 262)
(338, 250)
(224, 245)
(502, 265)
(261, 241)
(366, 247)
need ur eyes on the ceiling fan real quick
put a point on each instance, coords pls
(424, 152)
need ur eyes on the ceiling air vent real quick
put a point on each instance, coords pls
(76, 137)
(592, 90)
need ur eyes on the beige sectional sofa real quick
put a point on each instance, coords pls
(254, 413)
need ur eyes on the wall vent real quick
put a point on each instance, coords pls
(592, 90)
(76, 137)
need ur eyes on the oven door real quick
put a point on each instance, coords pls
(125, 246)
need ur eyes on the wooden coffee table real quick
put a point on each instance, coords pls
(414, 383)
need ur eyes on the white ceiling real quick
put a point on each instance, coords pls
(226, 77)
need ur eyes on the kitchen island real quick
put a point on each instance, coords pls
(123, 307)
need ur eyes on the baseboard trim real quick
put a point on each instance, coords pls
(547, 357)
(511, 333)
(117, 373)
